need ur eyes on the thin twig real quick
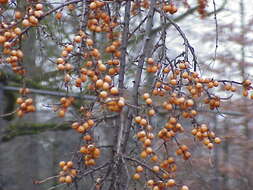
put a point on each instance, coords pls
(216, 31)
(44, 180)
(143, 164)
(95, 169)
(8, 114)
(51, 93)
(186, 41)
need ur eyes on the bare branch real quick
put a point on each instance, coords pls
(124, 44)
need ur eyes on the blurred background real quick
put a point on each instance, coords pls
(32, 146)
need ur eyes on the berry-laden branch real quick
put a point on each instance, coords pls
(146, 45)
(147, 127)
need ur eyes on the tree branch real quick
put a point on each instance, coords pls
(177, 19)
(149, 26)
(124, 45)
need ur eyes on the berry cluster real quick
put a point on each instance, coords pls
(68, 173)
(26, 104)
(170, 8)
(64, 104)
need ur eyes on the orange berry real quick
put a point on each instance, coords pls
(17, 31)
(3, 1)
(106, 86)
(149, 101)
(69, 48)
(19, 100)
(114, 91)
(58, 15)
(190, 102)
(156, 168)
(233, 88)
(99, 83)
(90, 122)
(228, 87)
(31, 108)
(61, 113)
(247, 82)
(108, 79)
(153, 69)
(70, 164)
(20, 113)
(203, 128)
(150, 183)
(215, 83)
(75, 125)
(61, 67)
(68, 67)
(173, 10)
(147, 142)
(33, 20)
(38, 13)
(81, 129)
(154, 158)
(210, 145)
(150, 61)
(73, 172)
(184, 187)
(68, 179)
(184, 148)
(173, 82)
(103, 94)
(166, 70)
(245, 92)
(187, 155)
(179, 152)
(87, 138)
(151, 112)
(71, 7)
(18, 15)
(171, 183)
(146, 96)
(62, 179)
(29, 101)
(26, 23)
(171, 160)
(217, 140)
(39, 6)
(91, 162)
(143, 122)
(137, 119)
(149, 150)
(136, 176)
(62, 164)
(173, 120)
(2, 39)
(89, 42)
(93, 5)
(139, 169)
(78, 39)
(121, 102)
(96, 153)
(143, 154)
